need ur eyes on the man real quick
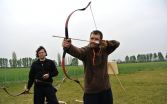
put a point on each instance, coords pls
(97, 89)
(41, 73)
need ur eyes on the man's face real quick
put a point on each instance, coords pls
(94, 40)
(41, 54)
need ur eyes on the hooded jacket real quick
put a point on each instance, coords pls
(96, 78)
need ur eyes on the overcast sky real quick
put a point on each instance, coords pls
(139, 25)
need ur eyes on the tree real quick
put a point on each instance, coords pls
(151, 56)
(30, 61)
(58, 59)
(19, 63)
(74, 62)
(127, 59)
(24, 62)
(69, 60)
(160, 57)
(155, 57)
(132, 58)
(144, 57)
(11, 63)
(166, 56)
(139, 58)
(147, 57)
(6, 62)
(3, 62)
(14, 60)
(0, 62)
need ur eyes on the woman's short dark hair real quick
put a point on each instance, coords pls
(40, 47)
(97, 32)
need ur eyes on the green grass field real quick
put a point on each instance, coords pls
(145, 83)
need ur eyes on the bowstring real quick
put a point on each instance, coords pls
(95, 28)
(111, 65)
(93, 17)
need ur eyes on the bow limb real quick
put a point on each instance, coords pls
(68, 18)
(23, 92)
(65, 50)
(118, 79)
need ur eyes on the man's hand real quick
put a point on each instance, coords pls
(26, 91)
(103, 43)
(66, 43)
(45, 76)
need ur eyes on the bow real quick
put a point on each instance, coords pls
(118, 79)
(65, 50)
(23, 92)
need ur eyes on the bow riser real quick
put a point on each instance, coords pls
(65, 49)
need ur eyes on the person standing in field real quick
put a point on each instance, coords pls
(97, 89)
(41, 73)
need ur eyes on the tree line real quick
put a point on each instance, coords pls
(72, 61)
(150, 57)
(14, 62)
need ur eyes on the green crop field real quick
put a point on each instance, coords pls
(145, 83)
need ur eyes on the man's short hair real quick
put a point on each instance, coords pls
(40, 48)
(97, 32)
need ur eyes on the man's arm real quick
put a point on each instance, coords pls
(74, 51)
(79, 53)
(53, 71)
(111, 45)
(31, 77)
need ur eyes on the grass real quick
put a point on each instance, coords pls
(144, 87)
(135, 67)
(13, 74)
(8, 75)
(145, 83)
